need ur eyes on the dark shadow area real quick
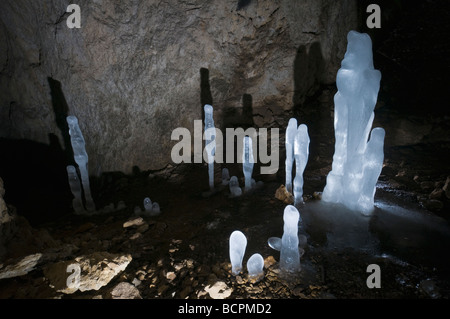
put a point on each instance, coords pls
(205, 90)
(242, 4)
(35, 179)
(310, 106)
(412, 52)
(61, 110)
(234, 117)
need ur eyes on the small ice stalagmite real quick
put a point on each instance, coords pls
(210, 142)
(148, 205)
(156, 210)
(235, 190)
(255, 267)
(151, 208)
(247, 162)
(289, 254)
(301, 153)
(81, 158)
(291, 132)
(225, 176)
(75, 187)
(238, 244)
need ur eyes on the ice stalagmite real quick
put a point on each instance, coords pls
(255, 267)
(238, 243)
(148, 205)
(81, 158)
(301, 153)
(210, 144)
(291, 132)
(352, 179)
(75, 187)
(247, 162)
(225, 176)
(373, 164)
(151, 208)
(289, 254)
(233, 184)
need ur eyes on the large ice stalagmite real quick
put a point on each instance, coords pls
(81, 158)
(247, 162)
(75, 187)
(352, 180)
(301, 153)
(238, 244)
(289, 254)
(291, 132)
(210, 144)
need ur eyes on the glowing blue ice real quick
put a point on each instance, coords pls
(356, 163)
(210, 144)
(301, 153)
(291, 132)
(255, 267)
(238, 244)
(289, 254)
(247, 162)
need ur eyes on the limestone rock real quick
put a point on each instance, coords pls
(219, 290)
(22, 267)
(283, 195)
(143, 68)
(135, 221)
(125, 290)
(446, 187)
(3, 208)
(434, 205)
(97, 270)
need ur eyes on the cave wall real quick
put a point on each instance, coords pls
(136, 70)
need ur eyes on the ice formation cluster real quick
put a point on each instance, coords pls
(297, 150)
(357, 162)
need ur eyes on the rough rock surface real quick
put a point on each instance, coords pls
(97, 270)
(142, 68)
(125, 290)
(21, 268)
(6, 221)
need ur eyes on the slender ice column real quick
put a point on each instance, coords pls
(291, 132)
(255, 267)
(373, 164)
(358, 84)
(235, 190)
(301, 153)
(289, 255)
(210, 144)
(238, 243)
(81, 158)
(75, 187)
(247, 162)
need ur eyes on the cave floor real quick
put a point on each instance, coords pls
(184, 250)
